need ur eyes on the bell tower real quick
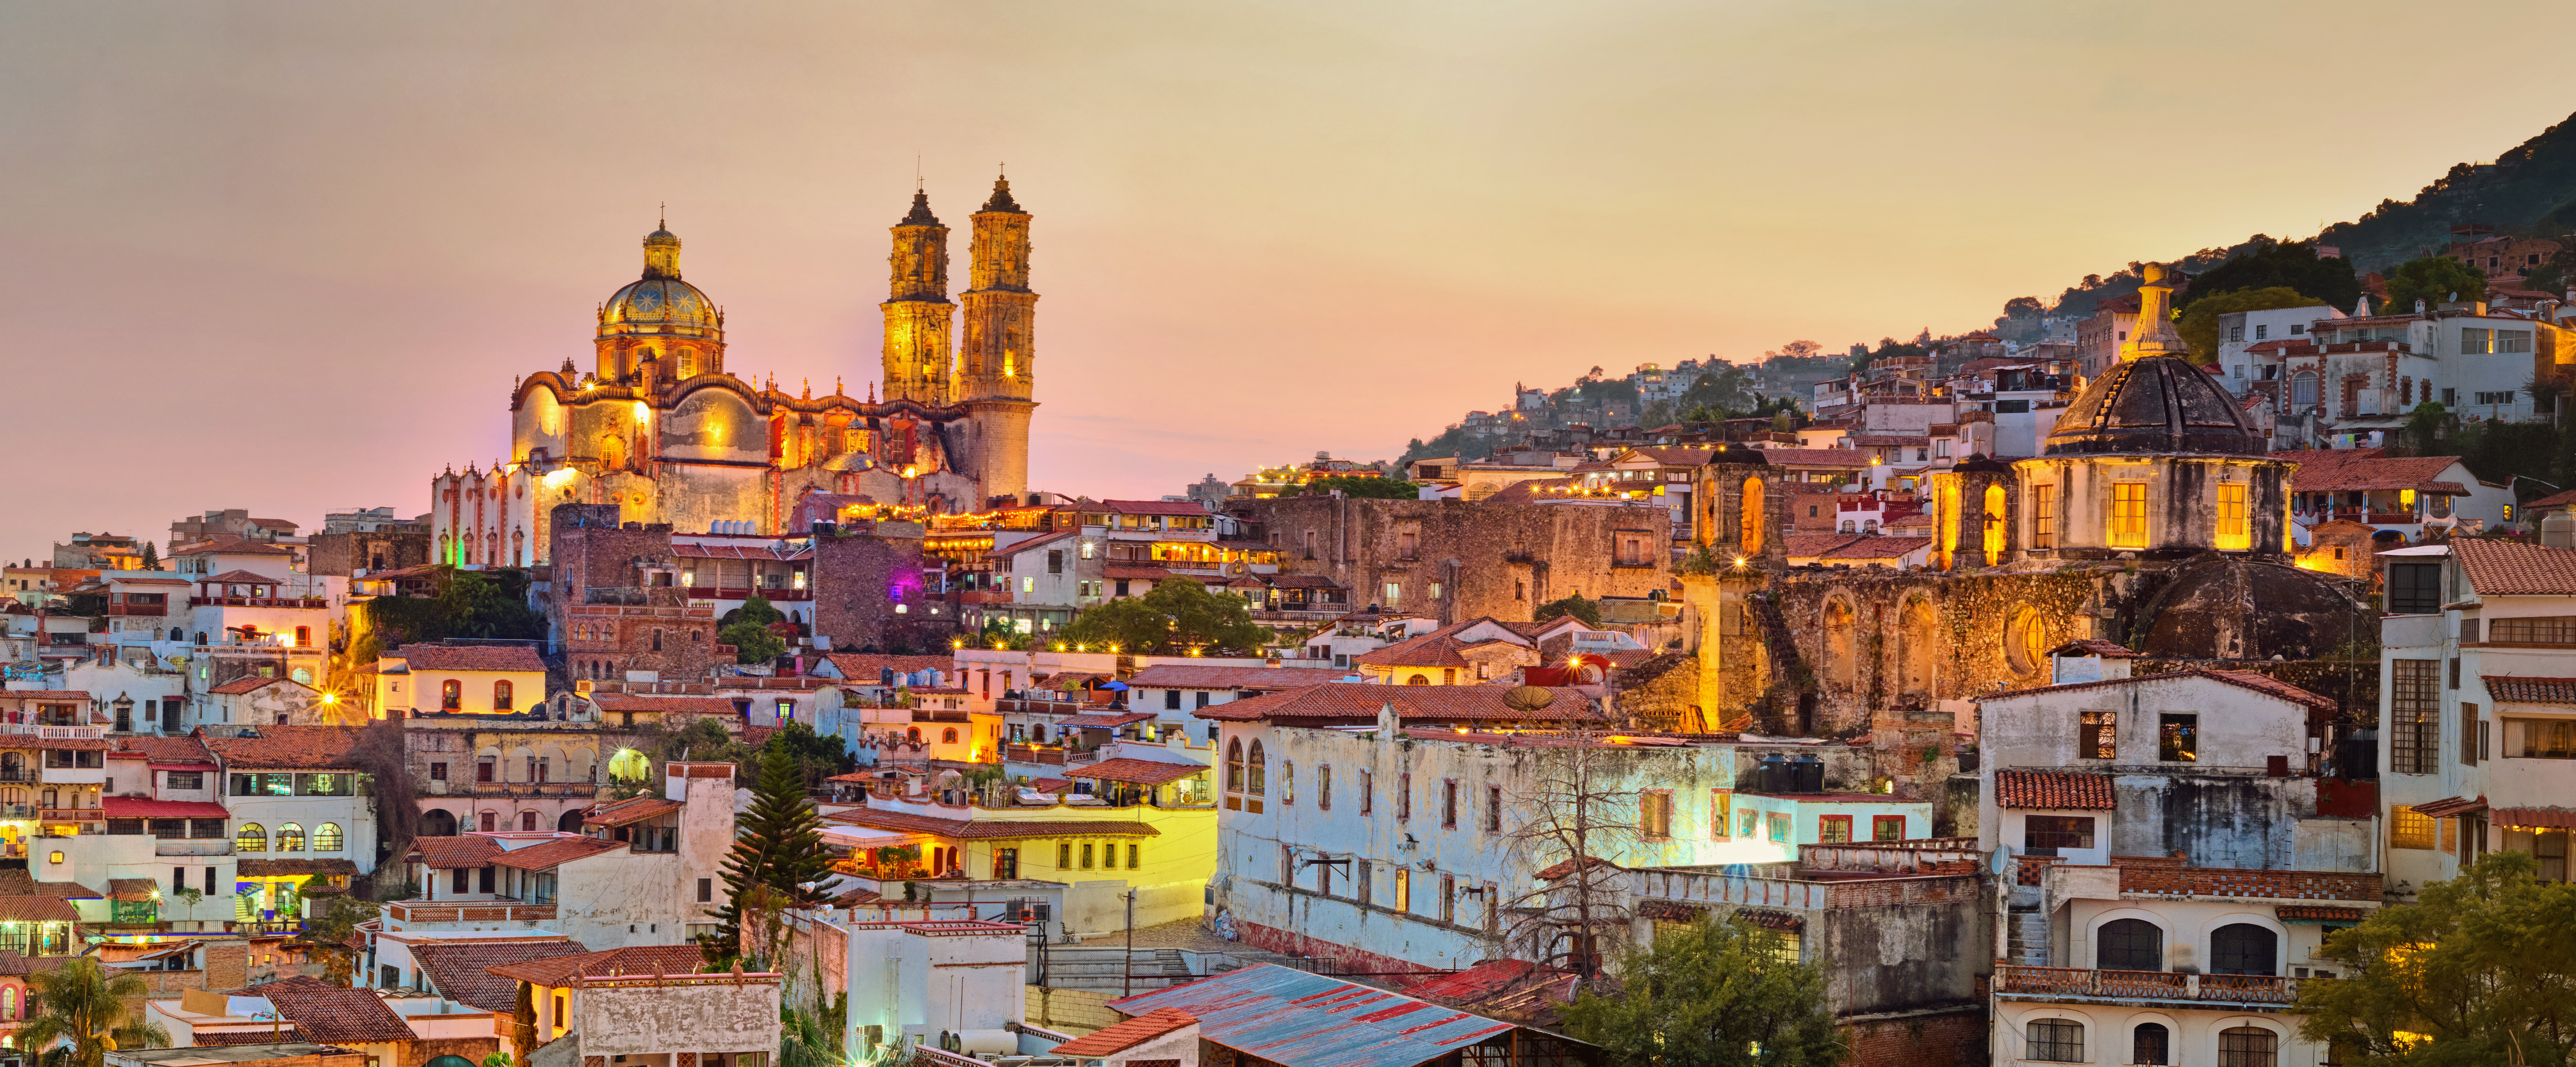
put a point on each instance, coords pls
(996, 377)
(918, 315)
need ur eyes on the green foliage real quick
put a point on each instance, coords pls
(811, 1036)
(151, 555)
(752, 642)
(2483, 965)
(1714, 994)
(778, 848)
(2433, 279)
(2024, 307)
(2199, 325)
(498, 1059)
(999, 633)
(757, 610)
(89, 1010)
(1575, 605)
(2267, 264)
(1364, 488)
(816, 756)
(329, 931)
(485, 604)
(1176, 616)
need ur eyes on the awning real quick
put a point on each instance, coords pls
(2536, 818)
(2450, 806)
(861, 837)
(1105, 721)
(143, 808)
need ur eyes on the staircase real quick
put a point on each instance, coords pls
(2026, 932)
(1788, 704)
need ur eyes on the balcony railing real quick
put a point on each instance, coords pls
(138, 609)
(198, 846)
(257, 602)
(522, 789)
(50, 731)
(744, 592)
(71, 814)
(468, 911)
(2144, 985)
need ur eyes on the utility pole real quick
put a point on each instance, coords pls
(1127, 964)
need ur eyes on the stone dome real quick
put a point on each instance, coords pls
(2154, 404)
(659, 302)
(2236, 607)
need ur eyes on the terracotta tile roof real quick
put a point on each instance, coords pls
(248, 1037)
(233, 546)
(240, 577)
(141, 808)
(2266, 683)
(991, 829)
(2511, 568)
(2265, 884)
(132, 890)
(1194, 676)
(291, 747)
(863, 666)
(544, 854)
(167, 749)
(2562, 818)
(44, 694)
(1133, 572)
(668, 704)
(1152, 507)
(463, 850)
(335, 1014)
(32, 909)
(2352, 469)
(2267, 686)
(239, 686)
(1890, 440)
(1017, 547)
(1121, 1036)
(426, 657)
(1812, 545)
(1105, 720)
(58, 744)
(460, 970)
(2450, 806)
(639, 960)
(297, 866)
(634, 809)
(1435, 649)
(1300, 581)
(1140, 772)
(2523, 689)
(1342, 702)
(2081, 790)
(1566, 867)
(2553, 500)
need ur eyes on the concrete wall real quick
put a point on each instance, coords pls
(719, 1015)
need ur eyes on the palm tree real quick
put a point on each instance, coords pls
(87, 1014)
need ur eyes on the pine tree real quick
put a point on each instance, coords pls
(151, 557)
(779, 848)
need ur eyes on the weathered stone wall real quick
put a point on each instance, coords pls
(1487, 558)
(860, 578)
(1900, 957)
(343, 554)
(1944, 1039)
(1875, 640)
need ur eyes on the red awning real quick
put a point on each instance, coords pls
(138, 808)
(2450, 806)
(2547, 818)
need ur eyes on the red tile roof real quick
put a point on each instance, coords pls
(1105, 720)
(167, 749)
(863, 666)
(139, 808)
(1194, 676)
(1140, 772)
(1151, 507)
(669, 704)
(634, 809)
(464, 850)
(1435, 649)
(44, 694)
(631, 962)
(334, 1014)
(1807, 545)
(1343, 702)
(291, 747)
(1121, 1036)
(2079, 790)
(1816, 457)
(544, 854)
(2353, 469)
(2562, 818)
(425, 657)
(2243, 679)
(2511, 568)
(2522, 689)
(460, 969)
(2253, 883)
(991, 829)
(239, 686)
(31, 909)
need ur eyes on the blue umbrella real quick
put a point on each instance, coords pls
(1119, 687)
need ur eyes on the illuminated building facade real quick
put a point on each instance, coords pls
(660, 428)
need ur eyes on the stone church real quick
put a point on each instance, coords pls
(658, 428)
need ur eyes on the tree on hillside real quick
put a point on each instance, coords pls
(89, 1010)
(2199, 326)
(778, 849)
(1795, 350)
(1364, 488)
(2264, 263)
(2481, 970)
(1178, 615)
(481, 604)
(1717, 993)
(2432, 279)
(2024, 307)
(1586, 610)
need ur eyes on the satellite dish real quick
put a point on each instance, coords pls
(1528, 698)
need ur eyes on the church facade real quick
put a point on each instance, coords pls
(657, 427)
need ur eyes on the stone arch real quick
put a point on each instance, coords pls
(1993, 540)
(438, 822)
(581, 764)
(554, 766)
(1918, 643)
(571, 821)
(1840, 660)
(515, 768)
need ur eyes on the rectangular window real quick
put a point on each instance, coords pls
(2053, 832)
(1394, 593)
(2539, 739)
(1780, 828)
(1403, 797)
(2057, 1040)
(437, 772)
(2129, 514)
(1086, 855)
(2235, 523)
(1721, 813)
(1064, 856)
(2414, 588)
(1834, 829)
(1887, 828)
(1055, 561)
(1403, 890)
(197, 780)
(1324, 787)
(1368, 792)
(2178, 738)
(2098, 733)
(706, 890)
(1449, 803)
(2407, 829)
(2468, 735)
(1655, 814)
(2557, 630)
(1448, 898)
(1133, 851)
(1494, 809)
(2414, 707)
(2043, 517)
(1748, 825)
(1364, 880)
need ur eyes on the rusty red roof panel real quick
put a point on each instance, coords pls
(1307, 1020)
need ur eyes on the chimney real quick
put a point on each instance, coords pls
(2558, 530)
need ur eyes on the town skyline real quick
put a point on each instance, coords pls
(344, 232)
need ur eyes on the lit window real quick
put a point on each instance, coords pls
(2235, 523)
(2128, 514)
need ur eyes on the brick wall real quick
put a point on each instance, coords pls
(1073, 1011)
(471, 1049)
(860, 577)
(343, 553)
(1957, 1039)
(2233, 882)
(227, 965)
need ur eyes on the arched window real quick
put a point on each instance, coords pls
(252, 837)
(290, 838)
(1234, 766)
(2303, 388)
(2150, 1044)
(8, 1002)
(326, 837)
(912, 734)
(1840, 661)
(527, 820)
(1419, 679)
(2055, 1041)
(948, 736)
(451, 695)
(2130, 945)
(1749, 534)
(2244, 948)
(1917, 643)
(502, 695)
(1994, 525)
(177, 635)
(2248, 1046)
(1255, 768)
(2026, 642)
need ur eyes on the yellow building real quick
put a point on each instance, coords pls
(1476, 652)
(420, 680)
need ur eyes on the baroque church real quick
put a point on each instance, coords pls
(658, 427)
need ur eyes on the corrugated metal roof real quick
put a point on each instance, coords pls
(1306, 1020)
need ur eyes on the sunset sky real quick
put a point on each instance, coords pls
(290, 257)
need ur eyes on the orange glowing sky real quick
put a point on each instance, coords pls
(290, 257)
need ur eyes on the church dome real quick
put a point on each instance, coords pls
(659, 302)
(2154, 404)
(2234, 607)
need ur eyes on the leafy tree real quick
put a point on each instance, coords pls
(816, 756)
(2024, 307)
(1795, 350)
(1717, 993)
(2433, 279)
(778, 849)
(484, 604)
(80, 1007)
(1586, 610)
(1176, 616)
(756, 609)
(1659, 413)
(329, 932)
(2263, 263)
(2559, 272)
(2481, 970)
(997, 632)
(1364, 488)
(151, 556)
(2199, 325)
(812, 1034)
(752, 642)
(523, 1022)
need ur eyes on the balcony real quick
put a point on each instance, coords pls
(727, 592)
(257, 602)
(71, 814)
(193, 847)
(518, 789)
(468, 911)
(49, 731)
(138, 609)
(2081, 983)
